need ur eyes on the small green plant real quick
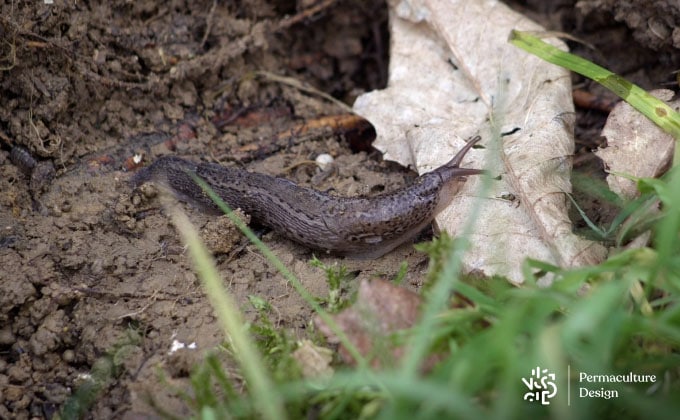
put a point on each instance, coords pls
(337, 278)
(401, 274)
(438, 251)
(104, 371)
(213, 389)
(274, 343)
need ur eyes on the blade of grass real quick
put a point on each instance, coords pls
(268, 402)
(448, 399)
(667, 229)
(601, 233)
(661, 114)
(447, 282)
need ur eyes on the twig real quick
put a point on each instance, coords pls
(305, 14)
(208, 23)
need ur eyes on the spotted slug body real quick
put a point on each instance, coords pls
(359, 227)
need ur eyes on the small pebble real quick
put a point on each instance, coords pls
(324, 160)
(6, 336)
(68, 356)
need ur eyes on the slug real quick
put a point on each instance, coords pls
(357, 227)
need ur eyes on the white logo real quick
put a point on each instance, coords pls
(541, 386)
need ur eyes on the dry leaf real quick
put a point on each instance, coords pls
(453, 75)
(635, 146)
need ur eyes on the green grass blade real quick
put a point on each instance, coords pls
(601, 233)
(654, 109)
(270, 403)
(446, 283)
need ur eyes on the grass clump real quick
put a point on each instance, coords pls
(617, 318)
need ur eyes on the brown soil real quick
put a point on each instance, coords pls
(87, 266)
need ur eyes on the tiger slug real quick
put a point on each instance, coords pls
(358, 227)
